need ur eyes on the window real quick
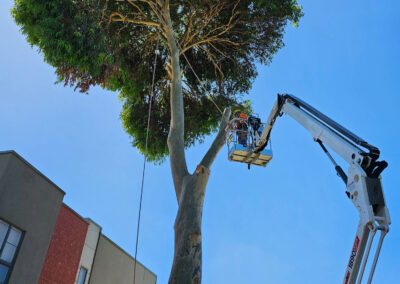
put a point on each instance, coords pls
(82, 276)
(10, 239)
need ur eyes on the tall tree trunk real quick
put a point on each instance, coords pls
(189, 188)
(187, 263)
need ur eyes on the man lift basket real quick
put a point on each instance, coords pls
(243, 133)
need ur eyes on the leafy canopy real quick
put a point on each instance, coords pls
(111, 43)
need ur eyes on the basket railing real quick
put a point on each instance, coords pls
(239, 130)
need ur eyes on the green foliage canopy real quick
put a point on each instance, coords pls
(112, 43)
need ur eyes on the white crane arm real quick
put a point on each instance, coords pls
(363, 181)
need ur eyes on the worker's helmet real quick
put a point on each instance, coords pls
(236, 113)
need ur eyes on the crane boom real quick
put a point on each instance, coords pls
(363, 179)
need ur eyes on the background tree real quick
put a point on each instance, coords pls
(112, 42)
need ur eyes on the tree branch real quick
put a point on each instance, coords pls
(132, 2)
(221, 52)
(219, 141)
(213, 61)
(189, 27)
(117, 17)
(214, 33)
(175, 141)
(156, 11)
(214, 11)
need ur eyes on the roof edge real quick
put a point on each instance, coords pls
(130, 256)
(32, 167)
(89, 220)
(76, 213)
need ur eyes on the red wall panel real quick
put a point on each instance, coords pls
(65, 249)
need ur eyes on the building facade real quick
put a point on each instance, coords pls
(113, 265)
(65, 248)
(44, 241)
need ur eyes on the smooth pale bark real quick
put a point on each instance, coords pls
(187, 264)
(176, 132)
(189, 188)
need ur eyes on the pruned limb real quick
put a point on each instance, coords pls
(219, 141)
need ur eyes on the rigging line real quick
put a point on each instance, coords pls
(197, 77)
(145, 159)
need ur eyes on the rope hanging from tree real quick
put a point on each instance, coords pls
(145, 159)
(198, 79)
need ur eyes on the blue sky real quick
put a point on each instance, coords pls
(288, 223)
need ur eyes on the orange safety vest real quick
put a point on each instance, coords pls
(239, 123)
(241, 115)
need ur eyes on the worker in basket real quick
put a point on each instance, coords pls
(241, 127)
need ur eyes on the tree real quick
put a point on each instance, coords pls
(111, 43)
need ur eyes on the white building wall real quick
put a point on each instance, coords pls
(89, 249)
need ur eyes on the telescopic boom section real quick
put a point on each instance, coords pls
(363, 180)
